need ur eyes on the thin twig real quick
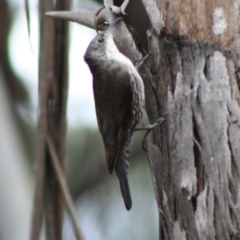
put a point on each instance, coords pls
(45, 70)
(27, 11)
(141, 61)
(64, 188)
(124, 6)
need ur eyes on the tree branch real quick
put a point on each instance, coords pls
(64, 188)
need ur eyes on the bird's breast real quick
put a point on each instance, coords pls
(111, 91)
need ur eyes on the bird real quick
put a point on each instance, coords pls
(119, 101)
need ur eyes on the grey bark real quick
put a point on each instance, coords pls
(195, 154)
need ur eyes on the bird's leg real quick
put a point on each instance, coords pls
(141, 61)
(149, 128)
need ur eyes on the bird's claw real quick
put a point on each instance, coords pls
(149, 128)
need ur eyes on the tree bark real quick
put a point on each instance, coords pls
(195, 154)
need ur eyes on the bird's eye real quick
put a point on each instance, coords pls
(106, 23)
(100, 39)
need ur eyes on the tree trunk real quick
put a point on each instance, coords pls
(195, 154)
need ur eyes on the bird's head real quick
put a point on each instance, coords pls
(99, 46)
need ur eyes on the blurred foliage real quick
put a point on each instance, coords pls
(87, 164)
(19, 96)
(16, 86)
(98, 195)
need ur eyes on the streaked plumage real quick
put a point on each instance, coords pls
(119, 99)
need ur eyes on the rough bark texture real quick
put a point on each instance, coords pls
(195, 154)
(215, 21)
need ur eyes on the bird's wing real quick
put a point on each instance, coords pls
(115, 131)
(131, 117)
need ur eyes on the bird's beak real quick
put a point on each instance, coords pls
(83, 17)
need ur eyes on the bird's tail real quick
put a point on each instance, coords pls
(121, 169)
(123, 180)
